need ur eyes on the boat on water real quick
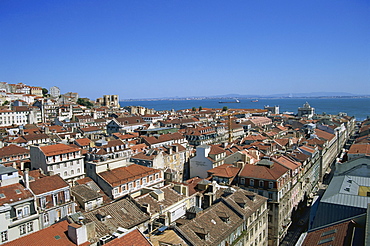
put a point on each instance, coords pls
(235, 101)
(254, 100)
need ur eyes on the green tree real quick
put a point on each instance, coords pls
(85, 102)
(194, 109)
(224, 108)
(5, 103)
(45, 92)
(200, 108)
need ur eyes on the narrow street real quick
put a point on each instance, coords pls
(300, 225)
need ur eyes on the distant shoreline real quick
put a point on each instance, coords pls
(249, 98)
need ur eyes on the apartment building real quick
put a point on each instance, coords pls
(61, 159)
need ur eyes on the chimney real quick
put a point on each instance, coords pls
(145, 207)
(77, 233)
(26, 179)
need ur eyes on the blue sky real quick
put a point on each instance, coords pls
(147, 49)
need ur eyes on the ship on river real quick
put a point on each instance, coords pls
(235, 101)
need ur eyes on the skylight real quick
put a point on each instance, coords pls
(326, 240)
(325, 233)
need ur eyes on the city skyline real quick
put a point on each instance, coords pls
(178, 49)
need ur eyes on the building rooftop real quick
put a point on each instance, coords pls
(58, 149)
(48, 183)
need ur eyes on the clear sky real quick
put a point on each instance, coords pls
(150, 49)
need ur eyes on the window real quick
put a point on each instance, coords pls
(26, 211)
(271, 195)
(58, 166)
(79, 170)
(22, 229)
(65, 164)
(46, 219)
(55, 199)
(251, 182)
(271, 185)
(261, 183)
(144, 181)
(67, 196)
(123, 187)
(72, 172)
(137, 183)
(157, 176)
(29, 227)
(19, 213)
(4, 236)
(65, 173)
(42, 202)
(115, 191)
(242, 181)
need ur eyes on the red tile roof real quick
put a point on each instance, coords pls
(55, 235)
(263, 172)
(288, 162)
(58, 149)
(163, 138)
(216, 150)
(48, 183)
(13, 150)
(133, 238)
(324, 135)
(359, 149)
(339, 234)
(225, 170)
(13, 193)
(123, 175)
(83, 141)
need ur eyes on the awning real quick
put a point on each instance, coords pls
(162, 228)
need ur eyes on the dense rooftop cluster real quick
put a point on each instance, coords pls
(73, 173)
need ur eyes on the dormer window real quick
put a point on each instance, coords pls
(241, 204)
(223, 216)
(261, 183)
(201, 233)
(251, 182)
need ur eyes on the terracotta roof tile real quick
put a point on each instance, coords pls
(123, 175)
(263, 172)
(13, 150)
(225, 170)
(133, 238)
(58, 149)
(48, 183)
(359, 149)
(55, 235)
(13, 193)
(83, 142)
(333, 235)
